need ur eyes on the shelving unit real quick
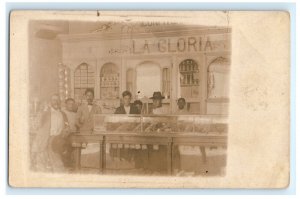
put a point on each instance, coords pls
(109, 82)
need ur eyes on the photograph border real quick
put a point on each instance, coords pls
(290, 7)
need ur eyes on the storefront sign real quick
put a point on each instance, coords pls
(171, 45)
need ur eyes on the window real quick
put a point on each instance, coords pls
(218, 78)
(189, 78)
(109, 81)
(84, 77)
(148, 78)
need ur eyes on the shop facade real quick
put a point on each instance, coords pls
(193, 63)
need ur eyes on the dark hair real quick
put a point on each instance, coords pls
(181, 99)
(126, 93)
(89, 90)
(138, 102)
(69, 99)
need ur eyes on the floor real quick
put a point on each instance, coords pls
(191, 164)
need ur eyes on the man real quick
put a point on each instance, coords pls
(139, 105)
(180, 149)
(127, 107)
(68, 157)
(181, 106)
(85, 122)
(70, 113)
(157, 104)
(180, 111)
(85, 113)
(49, 142)
(157, 154)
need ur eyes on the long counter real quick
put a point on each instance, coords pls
(205, 131)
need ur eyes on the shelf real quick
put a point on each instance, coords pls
(188, 85)
(109, 86)
(189, 71)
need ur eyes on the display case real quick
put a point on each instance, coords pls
(153, 130)
(160, 124)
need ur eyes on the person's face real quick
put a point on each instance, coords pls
(156, 103)
(126, 100)
(70, 105)
(89, 97)
(181, 104)
(55, 102)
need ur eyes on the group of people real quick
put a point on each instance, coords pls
(51, 148)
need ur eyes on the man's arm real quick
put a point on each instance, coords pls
(66, 129)
(78, 120)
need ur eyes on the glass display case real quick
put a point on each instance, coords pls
(155, 124)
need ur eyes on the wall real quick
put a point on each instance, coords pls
(44, 56)
(168, 49)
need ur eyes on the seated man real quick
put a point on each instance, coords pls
(49, 143)
(68, 155)
(71, 114)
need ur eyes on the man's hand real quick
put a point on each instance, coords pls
(66, 131)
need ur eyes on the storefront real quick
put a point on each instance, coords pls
(188, 62)
(178, 61)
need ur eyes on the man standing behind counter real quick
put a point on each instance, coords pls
(157, 154)
(127, 108)
(158, 108)
(85, 122)
(85, 113)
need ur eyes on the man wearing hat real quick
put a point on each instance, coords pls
(157, 104)
(157, 153)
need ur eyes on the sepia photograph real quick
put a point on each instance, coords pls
(148, 97)
(134, 98)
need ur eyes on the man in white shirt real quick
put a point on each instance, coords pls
(181, 107)
(85, 121)
(57, 122)
(157, 153)
(85, 113)
(158, 108)
(49, 144)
